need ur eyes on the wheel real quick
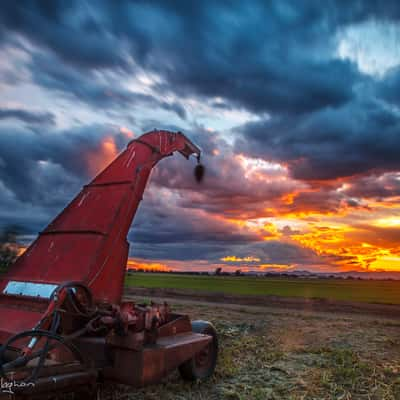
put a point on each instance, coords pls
(202, 365)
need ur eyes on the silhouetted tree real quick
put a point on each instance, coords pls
(8, 247)
(238, 272)
(218, 271)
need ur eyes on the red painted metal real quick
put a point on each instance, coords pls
(86, 245)
(86, 242)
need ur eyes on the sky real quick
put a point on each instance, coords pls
(295, 105)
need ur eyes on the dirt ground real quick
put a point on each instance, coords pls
(293, 303)
(271, 352)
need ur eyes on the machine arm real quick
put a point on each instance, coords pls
(87, 242)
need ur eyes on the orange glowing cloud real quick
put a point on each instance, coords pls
(126, 133)
(99, 158)
(147, 266)
(21, 250)
(240, 259)
(262, 202)
(333, 218)
(276, 267)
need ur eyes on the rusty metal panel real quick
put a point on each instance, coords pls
(140, 368)
(14, 320)
(179, 324)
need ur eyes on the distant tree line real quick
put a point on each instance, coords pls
(219, 272)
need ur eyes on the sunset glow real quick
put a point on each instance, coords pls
(143, 266)
(99, 158)
(238, 259)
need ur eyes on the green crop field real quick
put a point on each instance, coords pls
(371, 291)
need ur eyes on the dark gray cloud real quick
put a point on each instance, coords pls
(267, 57)
(73, 30)
(231, 189)
(173, 232)
(85, 86)
(225, 189)
(166, 229)
(277, 252)
(26, 116)
(45, 168)
(389, 88)
(272, 57)
(184, 234)
(378, 187)
(275, 58)
(357, 138)
(249, 54)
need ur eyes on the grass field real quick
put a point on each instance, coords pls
(369, 291)
(270, 354)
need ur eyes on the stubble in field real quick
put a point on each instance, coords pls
(277, 354)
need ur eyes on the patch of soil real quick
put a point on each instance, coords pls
(292, 303)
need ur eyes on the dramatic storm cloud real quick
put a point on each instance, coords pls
(296, 107)
(330, 143)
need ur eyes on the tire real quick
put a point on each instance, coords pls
(203, 364)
